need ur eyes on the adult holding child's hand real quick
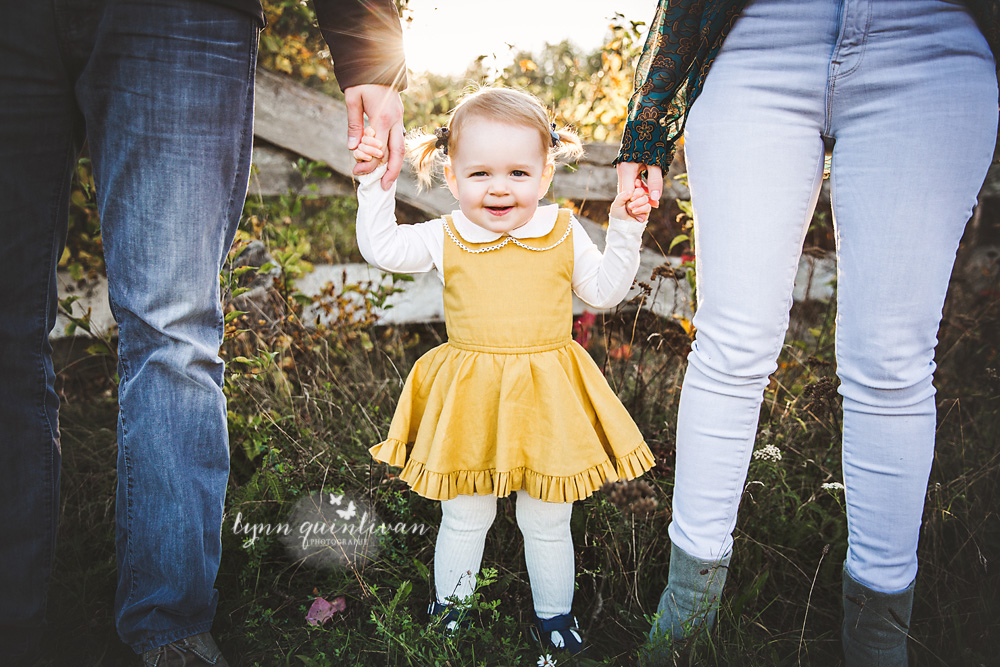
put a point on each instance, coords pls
(384, 109)
(366, 43)
(761, 89)
(629, 177)
(162, 93)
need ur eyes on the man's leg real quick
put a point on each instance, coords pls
(168, 98)
(40, 135)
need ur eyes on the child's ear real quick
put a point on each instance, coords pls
(547, 174)
(449, 176)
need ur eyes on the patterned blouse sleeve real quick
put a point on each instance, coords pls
(682, 42)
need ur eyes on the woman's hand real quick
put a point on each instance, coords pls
(628, 177)
(635, 205)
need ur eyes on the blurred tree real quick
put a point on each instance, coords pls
(291, 43)
(588, 90)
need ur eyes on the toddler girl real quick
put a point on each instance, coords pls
(510, 403)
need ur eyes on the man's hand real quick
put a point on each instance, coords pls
(384, 109)
(628, 176)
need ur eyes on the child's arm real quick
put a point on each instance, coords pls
(603, 279)
(383, 243)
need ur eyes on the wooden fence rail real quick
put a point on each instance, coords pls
(293, 122)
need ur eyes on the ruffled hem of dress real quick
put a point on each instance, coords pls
(548, 488)
(636, 462)
(390, 451)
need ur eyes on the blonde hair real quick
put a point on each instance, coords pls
(504, 105)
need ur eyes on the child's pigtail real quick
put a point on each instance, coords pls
(569, 149)
(422, 152)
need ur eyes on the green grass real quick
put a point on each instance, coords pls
(304, 406)
(303, 415)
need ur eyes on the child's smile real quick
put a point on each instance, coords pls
(498, 172)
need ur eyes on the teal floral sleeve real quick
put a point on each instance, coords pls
(683, 39)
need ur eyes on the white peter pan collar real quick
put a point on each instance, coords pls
(540, 224)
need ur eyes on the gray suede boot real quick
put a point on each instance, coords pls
(875, 625)
(688, 605)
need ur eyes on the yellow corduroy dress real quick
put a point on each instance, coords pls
(511, 401)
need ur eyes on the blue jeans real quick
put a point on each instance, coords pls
(906, 91)
(163, 93)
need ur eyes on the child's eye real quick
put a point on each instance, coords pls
(518, 173)
(478, 173)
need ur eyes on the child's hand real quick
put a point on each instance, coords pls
(370, 148)
(636, 207)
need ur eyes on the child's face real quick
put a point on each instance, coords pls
(498, 174)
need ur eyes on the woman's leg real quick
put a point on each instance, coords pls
(754, 152)
(915, 122)
(458, 554)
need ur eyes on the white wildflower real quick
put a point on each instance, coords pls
(767, 453)
(546, 661)
(832, 486)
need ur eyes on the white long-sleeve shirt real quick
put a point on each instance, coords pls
(600, 279)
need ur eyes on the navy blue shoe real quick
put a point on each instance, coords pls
(559, 632)
(448, 616)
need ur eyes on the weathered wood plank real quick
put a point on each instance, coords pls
(275, 173)
(601, 155)
(597, 183)
(301, 122)
(314, 125)
(421, 300)
(585, 182)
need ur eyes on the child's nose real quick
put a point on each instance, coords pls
(498, 185)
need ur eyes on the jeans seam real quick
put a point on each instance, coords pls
(248, 115)
(835, 74)
(123, 379)
(63, 194)
(831, 88)
(816, 184)
(864, 44)
(243, 131)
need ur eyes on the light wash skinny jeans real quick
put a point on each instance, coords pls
(907, 89)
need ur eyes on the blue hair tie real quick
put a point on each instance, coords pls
(442, 139)
(556, 141)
